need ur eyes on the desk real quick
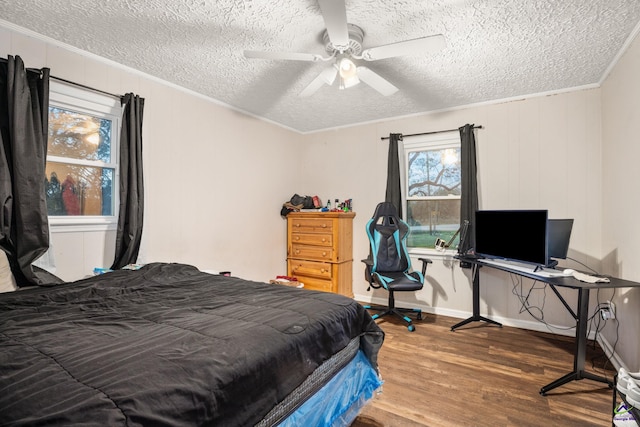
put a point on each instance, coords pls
(581, 316)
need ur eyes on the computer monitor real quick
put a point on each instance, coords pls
(559, 231)
(517, 235)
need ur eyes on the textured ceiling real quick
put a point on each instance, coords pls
(496, 49)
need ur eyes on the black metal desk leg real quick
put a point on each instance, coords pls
(476, 317)
(581, 331)
(580, 352)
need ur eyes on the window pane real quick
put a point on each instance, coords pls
(78, 190)
(434, 172)
(78, 135)
(432, 219)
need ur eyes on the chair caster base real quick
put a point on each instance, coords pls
(398, 312)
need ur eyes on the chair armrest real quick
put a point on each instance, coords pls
(368, 262)
(425, 261)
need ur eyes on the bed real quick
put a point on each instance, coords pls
(170, 345)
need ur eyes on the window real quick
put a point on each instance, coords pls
(432, 188)
(82, 153)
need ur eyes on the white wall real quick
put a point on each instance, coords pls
(621, 200)
(215, 183)
(215, 179)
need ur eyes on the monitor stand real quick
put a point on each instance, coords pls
(551, 264)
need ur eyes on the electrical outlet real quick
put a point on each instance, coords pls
(608, 310)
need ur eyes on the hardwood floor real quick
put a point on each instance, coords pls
(482, 375)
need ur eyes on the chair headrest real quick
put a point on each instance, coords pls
(386, 211)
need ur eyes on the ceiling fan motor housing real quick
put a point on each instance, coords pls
(356, 35)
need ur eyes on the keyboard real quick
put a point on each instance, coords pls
(525, 268)
(543, 272)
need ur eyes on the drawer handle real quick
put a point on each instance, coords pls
(322, 270)
(296, 225)
(297, 237)
(297, 252)
(324, 240)
(324, 254)
(324, 225)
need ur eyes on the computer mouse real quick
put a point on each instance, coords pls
(568, 271)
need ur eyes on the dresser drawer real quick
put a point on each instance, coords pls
(317, 239)
(314, 284)
(311, 225)
(316, 253)
(302, 268)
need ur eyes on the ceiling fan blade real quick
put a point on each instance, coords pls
(290, 56)
(334, 13)
(376, 82)
(409, 47)
(327, 76)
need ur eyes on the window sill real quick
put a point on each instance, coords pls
(81, 228)
(78, 225)
(432, 253)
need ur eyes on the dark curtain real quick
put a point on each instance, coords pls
(24, 111)
(131, 210)
(469, 181)
(394, 194)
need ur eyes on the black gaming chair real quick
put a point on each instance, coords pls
(389, 265)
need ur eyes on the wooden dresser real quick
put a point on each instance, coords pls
(320, 250)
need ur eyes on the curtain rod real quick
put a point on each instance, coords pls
(60, 79)
(86, 87)
(431, 133)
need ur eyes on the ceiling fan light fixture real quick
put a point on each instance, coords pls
(347, 68)
(348, 73)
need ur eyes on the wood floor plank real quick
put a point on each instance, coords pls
(482, 375)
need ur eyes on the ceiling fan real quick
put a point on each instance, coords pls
(343, 43)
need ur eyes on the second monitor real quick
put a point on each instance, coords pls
(558, 237)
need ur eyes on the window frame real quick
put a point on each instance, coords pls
(85, 101)
(434, 141)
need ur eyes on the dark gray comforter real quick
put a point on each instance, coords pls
(166, 345)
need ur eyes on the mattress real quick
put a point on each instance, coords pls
(170, 345)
